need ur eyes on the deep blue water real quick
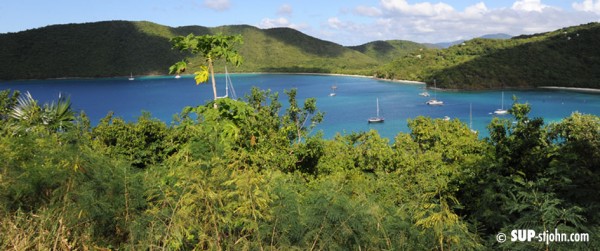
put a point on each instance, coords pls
(346, 112)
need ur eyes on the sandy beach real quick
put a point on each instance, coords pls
(575, 89)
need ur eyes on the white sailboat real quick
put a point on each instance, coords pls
(131, 78)
(434, 100)
(333, 88)
(377, 119)
(471, 118)
(501, 111)
(229, 90)
(177, 76)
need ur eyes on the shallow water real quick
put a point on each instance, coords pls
(346, 112)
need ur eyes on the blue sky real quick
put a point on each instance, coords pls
(349, 22)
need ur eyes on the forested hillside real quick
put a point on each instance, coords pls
(85, 50)
(248, 176)
(566, 57)
(387, 51)
(118, 48)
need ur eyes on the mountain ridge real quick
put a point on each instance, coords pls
(142, 47)
(564, 57)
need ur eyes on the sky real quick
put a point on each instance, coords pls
(347, 22)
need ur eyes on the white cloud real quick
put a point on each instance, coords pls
(285, 10)
(218, 5)
(276, 22)
(476, 11)
(588, 6)
(368, 11)
(267, 23)
(418, 9)
(334, 23)
(529, 5)
(430, 22)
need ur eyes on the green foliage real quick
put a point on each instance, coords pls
(565, 57)
(387, 51)
(178, 67)
(250, 176)
(295, 119)
(102, 49)
(143, 143)
(143, 48)
(29, 116)
(210, 47)
(8, 100)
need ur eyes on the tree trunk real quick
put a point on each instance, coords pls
(212, 75)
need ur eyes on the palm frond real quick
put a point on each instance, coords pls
(27, 110)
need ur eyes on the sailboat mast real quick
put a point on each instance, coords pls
(378, 107)
(502, 100)
(434, 90)
(471, 116)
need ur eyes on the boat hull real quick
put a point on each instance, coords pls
(434, 102)
(376, 120)
(500, 112)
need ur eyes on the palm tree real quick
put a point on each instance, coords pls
(60, 115)
(55, 117)
(27, 111)
(212, 48)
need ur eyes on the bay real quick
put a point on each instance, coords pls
(346, 112)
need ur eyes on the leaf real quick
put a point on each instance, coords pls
(202, 75)
(178, 67)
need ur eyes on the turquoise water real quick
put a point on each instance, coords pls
(346, 112)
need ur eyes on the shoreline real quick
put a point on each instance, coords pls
(184, 75)
(335, 74)
(573, 89)
(555, 88)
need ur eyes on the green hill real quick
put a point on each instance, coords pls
(389, 50)
(118, 48)
(85, 50)
(566, 57)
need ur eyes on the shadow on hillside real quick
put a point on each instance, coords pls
(566, 59)
(381, 47)
(305, 43)
(102, 49)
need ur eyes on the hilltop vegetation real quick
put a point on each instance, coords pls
(83, 50)
(566, 57)
(118, 48)
(387, 51)
(248, 176)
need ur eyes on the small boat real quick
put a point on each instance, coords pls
(377, 119)
(424, 94)
(446, 118)
(229, 90)
(434, 101)
(333, 88)
(177, 76)
(501, 111)
(131, 78)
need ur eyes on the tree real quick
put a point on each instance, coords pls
(55, 116)
(295, 117)
(212, 48)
